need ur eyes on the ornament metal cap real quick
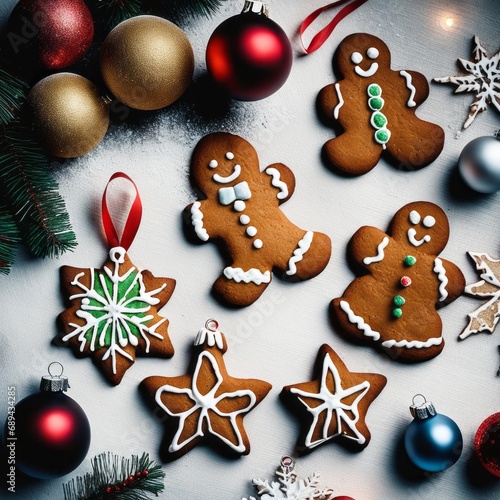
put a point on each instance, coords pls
(255, 7)
(423, 410)
(54, 382)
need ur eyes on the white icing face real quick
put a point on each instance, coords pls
(414, 219)
(357, 59)
(221, 179)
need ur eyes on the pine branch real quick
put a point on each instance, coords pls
(12, 95)
(113, 478)
(31, 192)
(115, 11)
(9, 238)
(193, 8)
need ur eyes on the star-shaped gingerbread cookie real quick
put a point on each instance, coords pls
(113, 316)
(334, 403)
(207, 403)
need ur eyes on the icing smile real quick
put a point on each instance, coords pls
(412, 233)
(230, 178)
(366, 72)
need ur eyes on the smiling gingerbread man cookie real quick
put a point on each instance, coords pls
(241, 208)
(393, 304)
(375, 107)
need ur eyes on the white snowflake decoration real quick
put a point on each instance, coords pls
(483, 79)
(289, 487)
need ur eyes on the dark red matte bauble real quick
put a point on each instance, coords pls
(59, 31)
(487, 444)
(343, 498)
(52, 435)
(249, 56)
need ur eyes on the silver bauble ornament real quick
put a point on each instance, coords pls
(479, 164)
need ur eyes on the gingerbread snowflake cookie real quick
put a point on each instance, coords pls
(485, 317)
(483, 78)
(113, 314)
(393, 303)
(240, 207)
(206, 404)
(375, 108)
(334, 404)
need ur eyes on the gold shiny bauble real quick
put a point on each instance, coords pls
(69, 114)
(147, 62)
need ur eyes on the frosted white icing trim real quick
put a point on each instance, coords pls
(414, 241)
(251, 276)
(302, 247)
(340, 103)
(244, 219)
(211, 337)
(380, 253)
(409, 85)
(359, 321)
(441, 274)
(368, 72)
(258, 243)
(429, 221)
(414, 217)
(278, 183)
(204, 404)
(372, 53)
(230, 178)
(197, 221)
(331, 403)
(413, 344)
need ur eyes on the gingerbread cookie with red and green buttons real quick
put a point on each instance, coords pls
(402, 282)
(375, 106)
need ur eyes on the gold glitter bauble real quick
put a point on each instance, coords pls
(147, 62)
(69, 114)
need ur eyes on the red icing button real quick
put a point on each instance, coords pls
(405, 281)
(487, 444)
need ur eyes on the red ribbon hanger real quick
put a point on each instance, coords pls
(133, 219)
(320, 38)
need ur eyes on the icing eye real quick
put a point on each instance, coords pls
(414, 217)
(213, 164)
(356, 57)
(372, 53)
(429, 221)
(229, 155)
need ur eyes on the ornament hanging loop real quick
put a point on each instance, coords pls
(212, 325)
(133, 219)
(55, 363)
(287, 463)
(423, 410)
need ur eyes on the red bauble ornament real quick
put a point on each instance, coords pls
(487, 444)
(60, 31)
(49, 434)
(249, 55)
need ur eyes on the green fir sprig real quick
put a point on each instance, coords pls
(113, 477)
(9, 239)
(12, 95)
(31, 193)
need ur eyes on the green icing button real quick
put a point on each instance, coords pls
(379, 120)
(397, 313)
(410, 260)
(374, 90)
(382, 136)
(376, 103)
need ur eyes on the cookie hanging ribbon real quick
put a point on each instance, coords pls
(322, 36)
(133, 219)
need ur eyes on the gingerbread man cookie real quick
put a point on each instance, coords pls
(241, 208)
(206, 404)
(375, 107)
(403, 280)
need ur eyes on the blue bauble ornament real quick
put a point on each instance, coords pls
(433, 441)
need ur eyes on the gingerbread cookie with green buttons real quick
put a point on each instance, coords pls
(402, 283)
(374, 107)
